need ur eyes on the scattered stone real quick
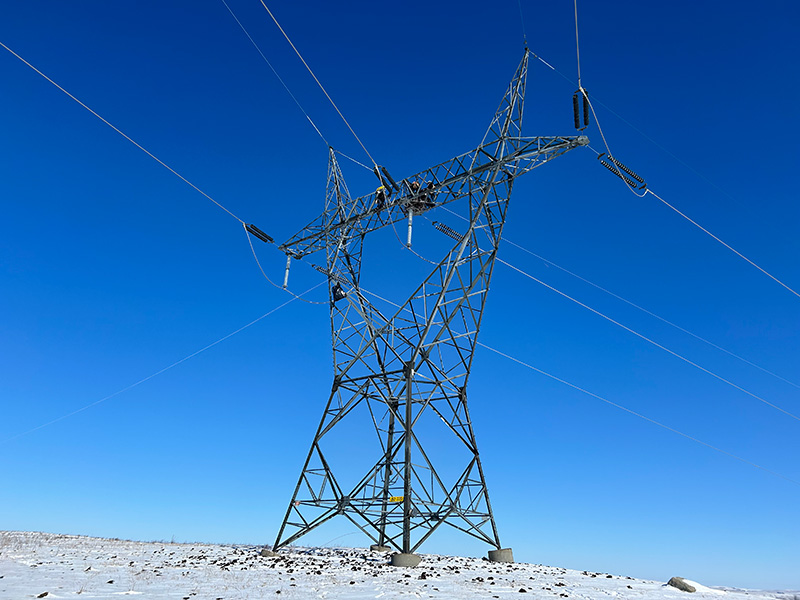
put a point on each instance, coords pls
(680, 583)
(43, 594)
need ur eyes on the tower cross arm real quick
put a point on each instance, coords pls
(439, 185)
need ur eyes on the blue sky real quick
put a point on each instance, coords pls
(111, 269)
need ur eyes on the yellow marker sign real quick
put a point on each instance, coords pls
(397, 498)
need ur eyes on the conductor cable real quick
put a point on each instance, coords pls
(300, 56)
(641, 308)
(605, 400)
(131, 140)
(159, 372)
(648, 340)
(283, 83)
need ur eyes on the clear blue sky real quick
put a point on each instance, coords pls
(111, 269)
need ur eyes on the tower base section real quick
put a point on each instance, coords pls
(502, 555)
(405, 560)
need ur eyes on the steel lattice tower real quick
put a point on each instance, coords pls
(406, 373)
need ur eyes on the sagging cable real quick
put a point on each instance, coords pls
(256, 232)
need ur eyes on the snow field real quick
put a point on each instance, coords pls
(42, 565)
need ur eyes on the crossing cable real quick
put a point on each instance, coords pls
(318, 83)
(159, 372)
(283, 83)
(601, 398)
(636, 306)
(131, 140)
(648, 340)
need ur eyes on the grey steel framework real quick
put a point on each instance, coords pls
(404, 375)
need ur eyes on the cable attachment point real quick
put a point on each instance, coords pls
(386, 180)
(616, 167)
(258, 233)
(580, 100)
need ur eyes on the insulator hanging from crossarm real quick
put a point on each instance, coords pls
(576, 110)
(580, 99)
(258, 233)
(586, 108)
(617, 167)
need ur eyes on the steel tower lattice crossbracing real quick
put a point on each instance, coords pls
(405, 374)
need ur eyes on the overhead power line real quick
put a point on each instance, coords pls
(127, 137)
(609, 402)
(577, 45)
(644, 192)
(649, 341)
(736, 252)
(652, 314)
(324, 91)
(269, 64)
(639, 415)
(636, 306)
(159, 372)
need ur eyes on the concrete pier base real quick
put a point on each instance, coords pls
(501, 555)
(268, 552)
(405, 560)
(377, 548)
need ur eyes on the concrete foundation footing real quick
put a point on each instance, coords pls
(268, 552)
(377, 548)
(501, 555)
(405, 560)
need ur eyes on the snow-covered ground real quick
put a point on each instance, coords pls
(43, 565)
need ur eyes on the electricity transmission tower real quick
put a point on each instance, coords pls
(399, 396)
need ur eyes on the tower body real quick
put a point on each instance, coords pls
(395, 451)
